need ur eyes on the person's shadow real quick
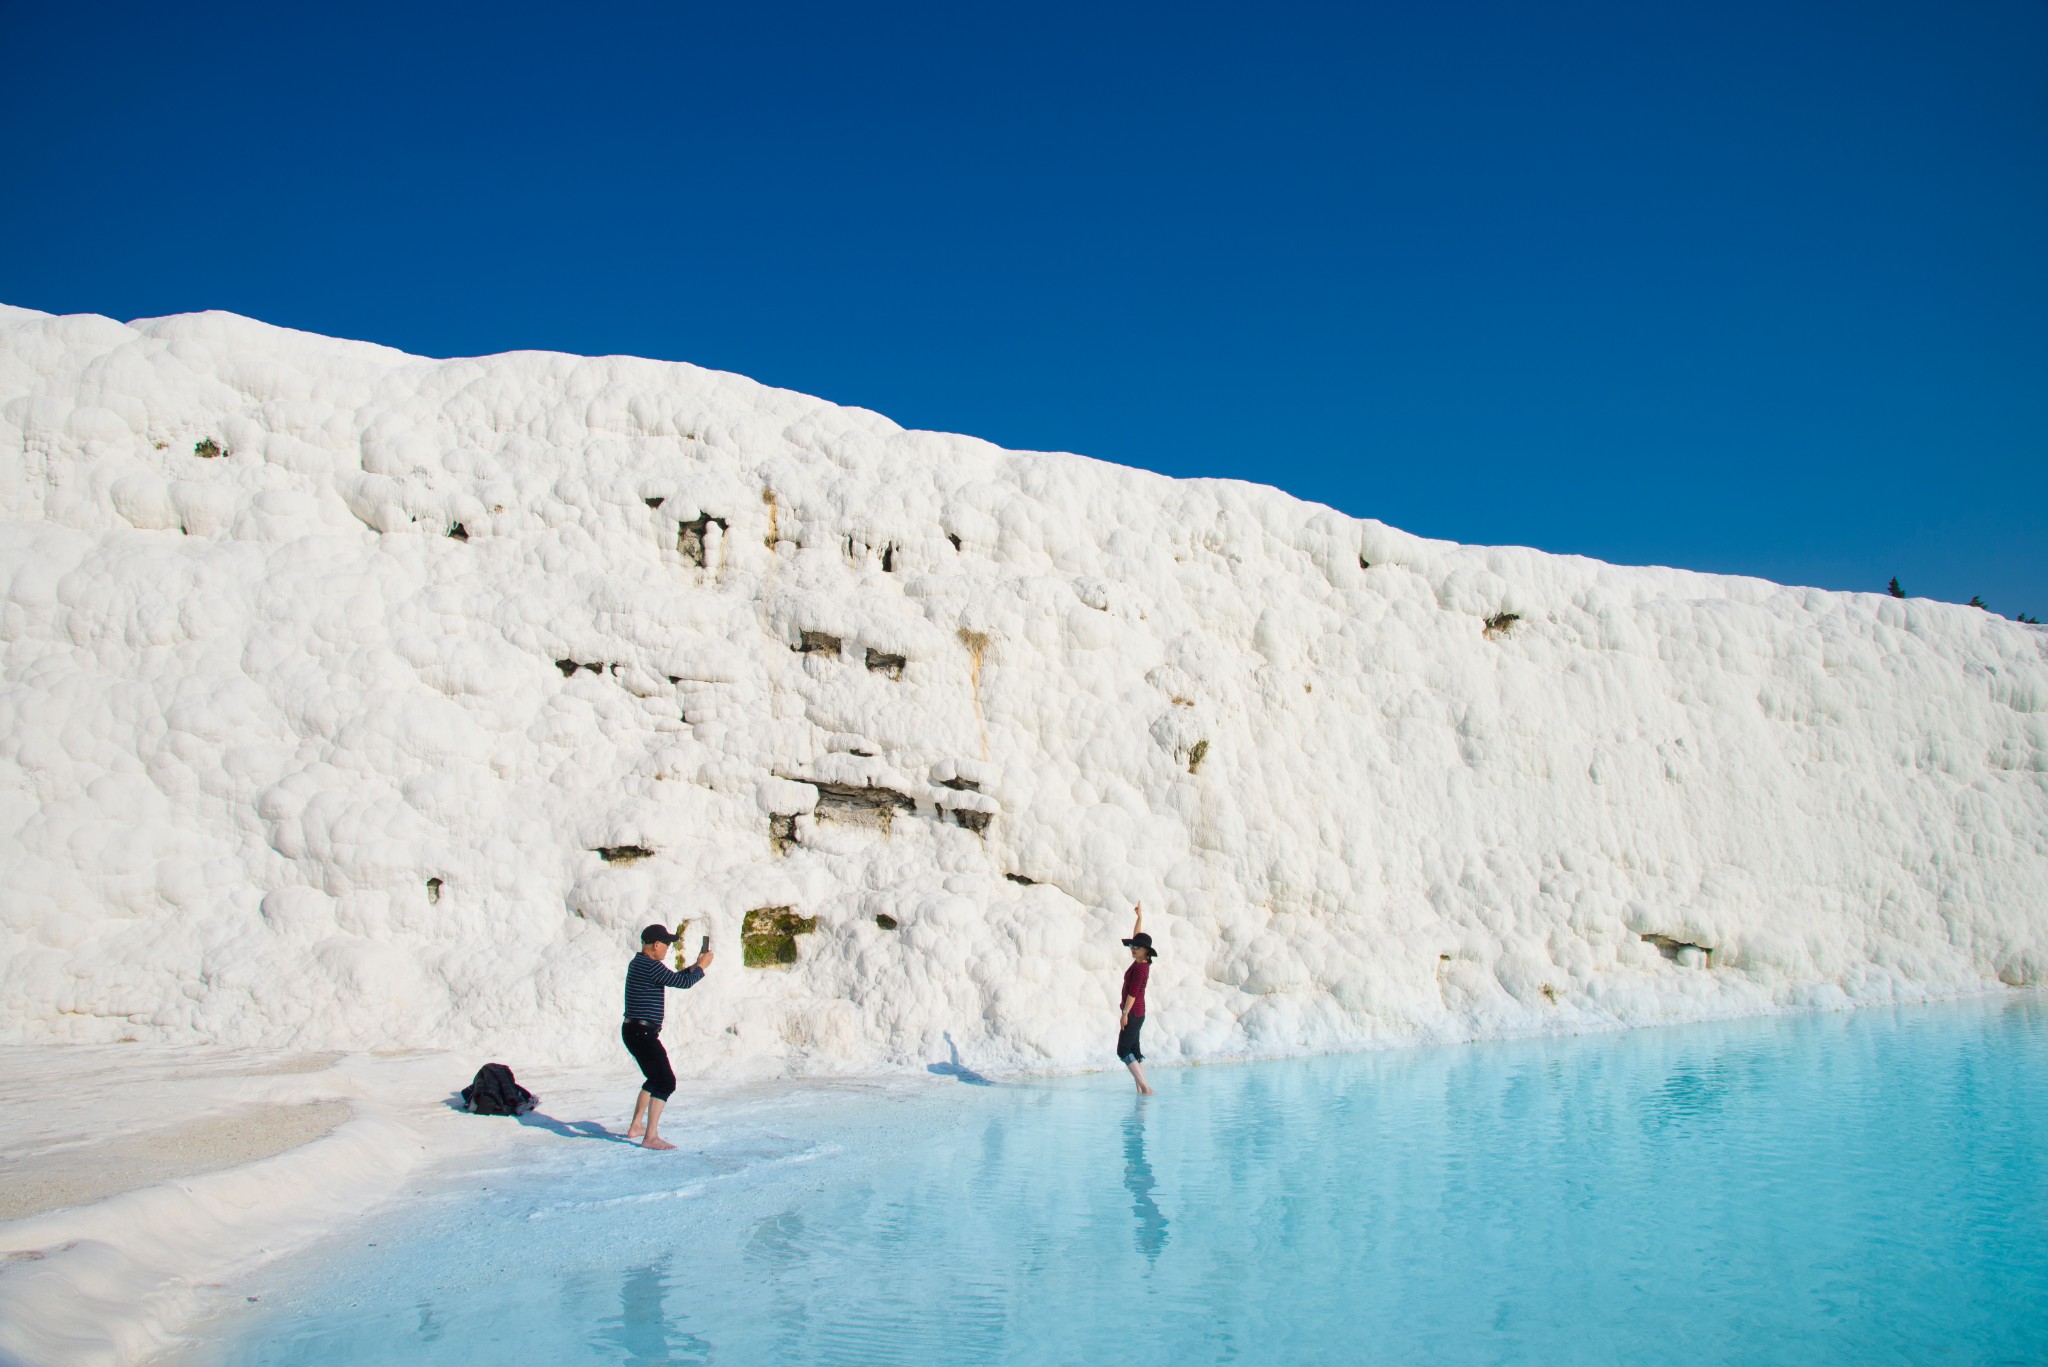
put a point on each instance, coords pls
(581, 1129)
(956, 1068)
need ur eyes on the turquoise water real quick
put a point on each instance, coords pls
(1868, 1187)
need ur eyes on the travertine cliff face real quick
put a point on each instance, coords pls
(357, 699)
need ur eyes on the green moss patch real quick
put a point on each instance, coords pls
(768, 936)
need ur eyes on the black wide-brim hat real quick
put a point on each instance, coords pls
(1142, 941)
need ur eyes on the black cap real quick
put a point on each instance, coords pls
(1143, 941)
(657, 935)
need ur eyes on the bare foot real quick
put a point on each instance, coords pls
(1143, 1090)
(656, 1142)
(636, 1132)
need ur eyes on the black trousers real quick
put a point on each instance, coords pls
(1127, 1050)
(643, 1041)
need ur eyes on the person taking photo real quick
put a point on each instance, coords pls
(646, 977)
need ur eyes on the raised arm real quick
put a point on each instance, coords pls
(683, 977)
(1127, 1001)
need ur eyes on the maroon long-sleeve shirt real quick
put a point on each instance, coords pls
(1134, 988)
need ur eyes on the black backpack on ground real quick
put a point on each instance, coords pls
(497, 1092)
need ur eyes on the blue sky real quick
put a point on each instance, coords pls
(1756, 288)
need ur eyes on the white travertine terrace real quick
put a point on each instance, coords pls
(392, 722)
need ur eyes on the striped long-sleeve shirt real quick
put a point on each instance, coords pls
(645, 978)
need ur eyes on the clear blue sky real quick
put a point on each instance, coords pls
(1759, 288)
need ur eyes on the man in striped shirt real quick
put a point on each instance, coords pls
(646, 976)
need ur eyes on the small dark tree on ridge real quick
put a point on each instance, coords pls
(1893, 588)
(1977, 602)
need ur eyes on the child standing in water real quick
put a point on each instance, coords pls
(1131, 1013)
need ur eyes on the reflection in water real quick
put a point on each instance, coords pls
(777, 1256)
(642, 1330)
(1688, 1094)
(1150, 1232)
(778, 1243)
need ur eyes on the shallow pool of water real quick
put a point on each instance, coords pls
(1864, 1187)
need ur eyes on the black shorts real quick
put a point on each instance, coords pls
(1127, 1050)
(644, 1043)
